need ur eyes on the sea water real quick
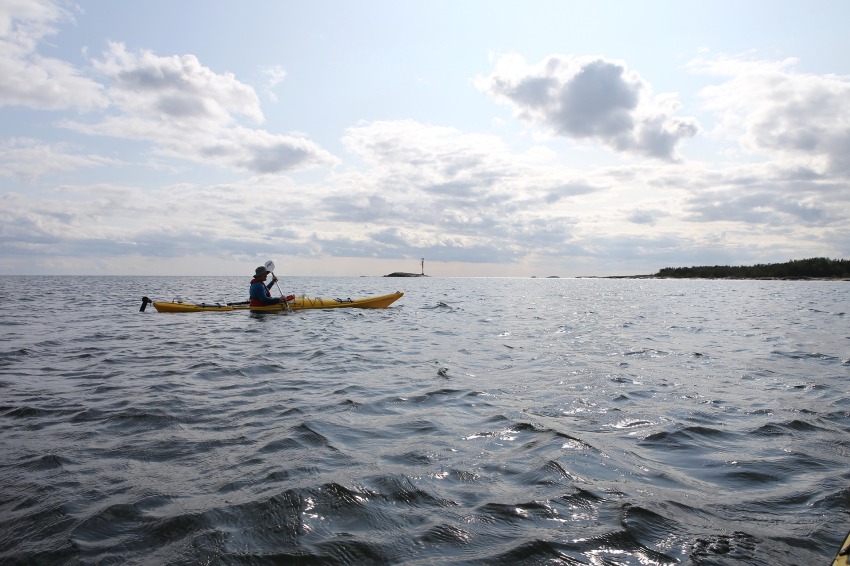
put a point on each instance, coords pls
(475, 421)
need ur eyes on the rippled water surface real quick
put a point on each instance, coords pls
(476, 421)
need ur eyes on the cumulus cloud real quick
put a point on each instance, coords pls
(183, 108)
(175, 89)
(30, 79)
(590, 98)
(796, 116)
(192, 112)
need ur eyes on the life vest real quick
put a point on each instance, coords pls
(258, 302)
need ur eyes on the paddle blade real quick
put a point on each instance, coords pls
(269, 265)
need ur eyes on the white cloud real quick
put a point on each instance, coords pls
(29, 159)
(175, 90)
(30, 79)
(420, 165)
(438, 153)
(590, 98)
(183, 108)
(798, 117)
(648, 217)
(275, 75)
(190, 112)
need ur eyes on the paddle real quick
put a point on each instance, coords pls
(269, 265)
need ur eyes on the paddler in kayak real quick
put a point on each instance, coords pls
(260, 292)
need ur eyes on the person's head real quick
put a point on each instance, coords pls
(260, 272)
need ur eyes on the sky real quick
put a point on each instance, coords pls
(487, 137)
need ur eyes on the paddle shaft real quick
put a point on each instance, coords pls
(282, 296)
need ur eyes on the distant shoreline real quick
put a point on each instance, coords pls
(656, 276)
(811, 269)
(729, 277)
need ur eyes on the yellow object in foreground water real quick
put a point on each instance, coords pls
(843, 556)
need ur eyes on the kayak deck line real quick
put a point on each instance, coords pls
(298, 303)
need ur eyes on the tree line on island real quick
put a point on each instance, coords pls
(816, 267)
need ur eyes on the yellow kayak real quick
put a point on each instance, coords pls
(298, 303)
(843, 556)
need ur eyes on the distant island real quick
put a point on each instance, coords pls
(405, 274)
(813, 268)
(402, 274)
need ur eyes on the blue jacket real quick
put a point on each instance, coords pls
(259, 294)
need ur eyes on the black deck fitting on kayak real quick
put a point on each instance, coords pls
(145, 302)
